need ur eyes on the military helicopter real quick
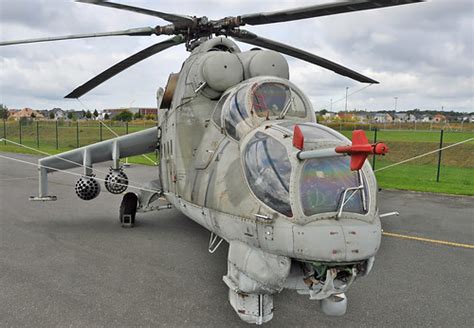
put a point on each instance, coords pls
(242, 155)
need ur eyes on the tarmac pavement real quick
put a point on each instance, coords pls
(69, 263)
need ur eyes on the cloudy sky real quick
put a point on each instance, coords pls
(420, 53)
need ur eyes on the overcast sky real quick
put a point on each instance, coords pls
(420, 53)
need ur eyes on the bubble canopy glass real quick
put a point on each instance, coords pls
(322, 185)
(268, 171)
(253, 103)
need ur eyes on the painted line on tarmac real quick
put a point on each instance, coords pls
(433, 241)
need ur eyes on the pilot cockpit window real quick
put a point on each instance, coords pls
(268, 171)
(323, 182)
(276, 99)
(216, 116)
(252, 103)
(235, 116)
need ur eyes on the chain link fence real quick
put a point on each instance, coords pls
(449, 171)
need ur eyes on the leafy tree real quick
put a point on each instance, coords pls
(88, 114)
(124, 116)
(70, 115)
(150, 117)
(96, 113)
(3, 112)
(33, 115)
(51, 115)
(137, 116)
(106, 116)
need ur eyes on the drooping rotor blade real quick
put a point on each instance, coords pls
(251, 38)
(178, 20)
(130, 32)
(124, 64)
(320, 10)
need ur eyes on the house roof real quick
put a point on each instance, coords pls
(27, 112)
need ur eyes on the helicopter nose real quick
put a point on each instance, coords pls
(337, 240)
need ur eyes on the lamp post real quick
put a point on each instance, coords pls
(345, 108)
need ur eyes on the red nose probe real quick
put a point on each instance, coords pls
(360, 149)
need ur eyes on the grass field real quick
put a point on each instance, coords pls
(456, 174)
(457, 163)
(70, 135)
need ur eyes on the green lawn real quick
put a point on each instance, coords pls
(453, 180)
(415, 136)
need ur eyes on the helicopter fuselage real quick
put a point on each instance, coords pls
(228, 162)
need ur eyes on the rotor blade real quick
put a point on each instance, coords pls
(320, 10)
(130, 32)
(251, 38)
(178, 20)
(124, 64)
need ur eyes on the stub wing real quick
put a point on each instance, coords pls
(133, 144)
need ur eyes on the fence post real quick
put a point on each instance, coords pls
(57, 141)
(126, 127)
(439, 154)
(37, 135)
(4, 131)
(77, 134)
(375, 141)
(100, 130)
(20, 130)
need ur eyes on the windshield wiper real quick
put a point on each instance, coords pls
(344, 201)
(287, 107)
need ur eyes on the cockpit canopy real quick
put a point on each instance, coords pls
(268, 171)
(247, 106)
(320, 184)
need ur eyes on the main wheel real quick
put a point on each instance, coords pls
(128, 209)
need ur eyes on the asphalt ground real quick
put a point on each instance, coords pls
(69, 264)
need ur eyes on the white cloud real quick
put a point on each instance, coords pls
(421, 53)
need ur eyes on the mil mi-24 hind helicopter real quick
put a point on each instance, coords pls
(242, 155)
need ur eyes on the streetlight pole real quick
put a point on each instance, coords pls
(345, 108)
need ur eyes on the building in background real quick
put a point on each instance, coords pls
(143, 111)
(58, 113)
(438, 118)
(26, 113)
(382, 118)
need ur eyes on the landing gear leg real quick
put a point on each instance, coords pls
(128, 209)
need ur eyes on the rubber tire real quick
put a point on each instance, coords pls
(128, 206)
